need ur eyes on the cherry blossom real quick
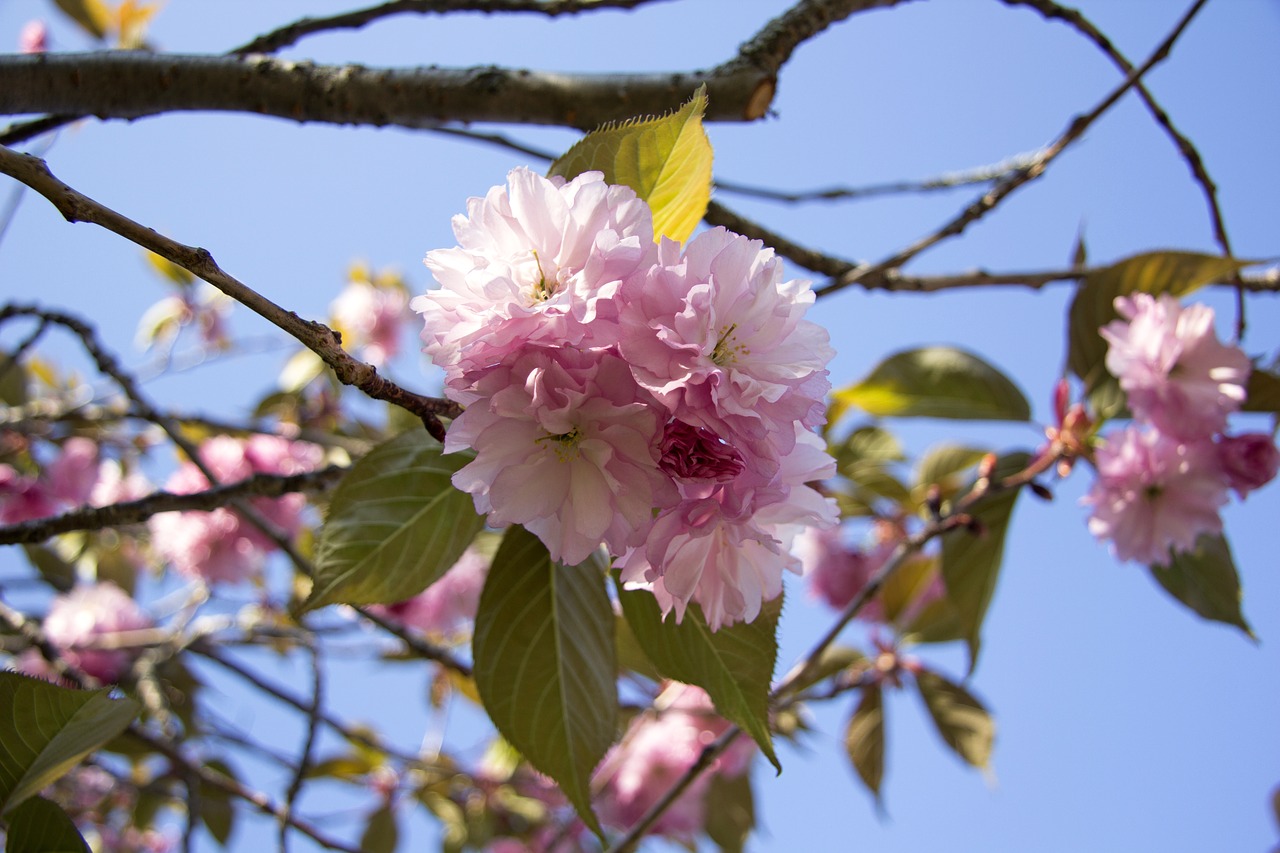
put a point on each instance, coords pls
(655, 752)
(1155, 494)
(369, 317)
(539, 261)
(82, 623)
(222, 546)
(567, 445)
(1174, 371)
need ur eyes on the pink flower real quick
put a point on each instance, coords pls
(370, 318)
(837, 572)
(567, 445)
(220, 546)
(72, 476)
(1250, 461)
(1155, 494)
(448, 605)
(538, 261)
(727, 546)
(82, 623)
(34, 37)
(1169, 362)
(656, 751)
(115, 486)
(721, 340)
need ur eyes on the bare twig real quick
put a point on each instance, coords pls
(293, 33)
(317, 337)
(991, 199)
(303, 764)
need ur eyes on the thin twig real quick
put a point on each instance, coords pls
(302, 766)
(317, 337)
(991, 199)
(291, 34)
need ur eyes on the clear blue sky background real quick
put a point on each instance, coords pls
(1124, 722)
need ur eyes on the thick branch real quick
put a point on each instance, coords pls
(138, 511)
(131, 85)
(317, 337)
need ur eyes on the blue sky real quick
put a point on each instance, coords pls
(1124, 722)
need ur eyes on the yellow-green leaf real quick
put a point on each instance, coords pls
(937, 382)
(94, 16)
(666, 160)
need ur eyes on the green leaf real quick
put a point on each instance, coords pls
(961, 720)
(833, 659)
(734, 665)
(1263, 392)
(1092, 307)
(666, 160)
(395, 524)
(971, 561)
(937, 382)
(55, 571)
(864, 739)
(41, 826)
(381, 835)
(941, 466)
(730, 811)
(545, 663)
(1206, 581)
(13, 381)
(905, 585)
(45, 730)
(216, 810)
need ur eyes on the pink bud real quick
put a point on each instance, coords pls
(34, 37)
(1250, 461)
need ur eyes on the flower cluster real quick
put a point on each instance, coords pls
(88, 626)
(369, 312)
(1162, 480)
(65, 482)
(222, 546)
(654, 399)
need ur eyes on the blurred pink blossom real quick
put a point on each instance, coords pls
(1250, 460)
(221, 546)
(1174, 371)
(64, 483)
(370, 318)
(83, 621)
(655, 752)
(1155, 494)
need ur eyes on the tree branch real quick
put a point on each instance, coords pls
(138, 511)
(317, 337)
(983, 205)
(354, 20)
(132, 85)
